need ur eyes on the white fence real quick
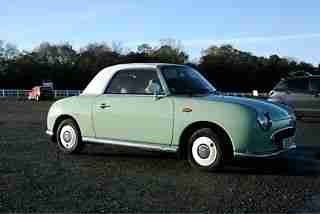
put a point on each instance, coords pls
(24, 93)
(67, 93)
(238, 94)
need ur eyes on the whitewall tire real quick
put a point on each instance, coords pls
(205, 150)
(69, 137)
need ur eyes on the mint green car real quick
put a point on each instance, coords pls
(170, 108)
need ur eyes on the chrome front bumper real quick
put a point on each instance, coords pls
(291, 147)
(284, 139)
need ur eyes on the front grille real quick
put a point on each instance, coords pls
(278, 136)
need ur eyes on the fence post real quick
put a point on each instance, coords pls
(3, 92)
(255, 93)
(67, 93)
(55, 93)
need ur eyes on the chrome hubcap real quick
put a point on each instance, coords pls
(204, 151)
(68, 137)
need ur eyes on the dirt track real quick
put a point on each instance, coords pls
(34, 177)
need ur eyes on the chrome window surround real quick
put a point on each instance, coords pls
(159, 147)
(158, 72)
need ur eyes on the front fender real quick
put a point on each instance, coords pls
(236, 120)
(79, 108)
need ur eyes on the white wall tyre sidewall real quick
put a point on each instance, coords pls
(68, 137)
(73, 143)
(204, 143)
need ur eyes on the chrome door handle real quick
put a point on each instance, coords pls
(103, 106)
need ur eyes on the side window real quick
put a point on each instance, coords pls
(281, 86)
(298, 85)
(134, 81)
(315, 85)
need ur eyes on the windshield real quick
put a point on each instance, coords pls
(281, 86)
(185, 80)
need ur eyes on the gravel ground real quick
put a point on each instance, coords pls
(35, 177)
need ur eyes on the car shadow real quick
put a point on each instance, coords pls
(273, 167)
(308, 116)
(310, 119)
(117, 151)
(304, 161)
(301, 162)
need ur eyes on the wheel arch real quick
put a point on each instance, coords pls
(59, 120)
(218, 129)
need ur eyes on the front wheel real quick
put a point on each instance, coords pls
(69, 137)
(204, 150)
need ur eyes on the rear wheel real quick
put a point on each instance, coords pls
(69, 137)
(205, 150)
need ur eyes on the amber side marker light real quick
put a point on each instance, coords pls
(187, 109)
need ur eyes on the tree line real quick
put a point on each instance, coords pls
(228, 68)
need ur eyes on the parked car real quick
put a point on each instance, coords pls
(170, 108)
(41, 93)
(300, 93)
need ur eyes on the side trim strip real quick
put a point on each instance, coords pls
(48, 132)
(160, 147)
(265, 155)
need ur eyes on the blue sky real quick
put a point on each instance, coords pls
(284, 27)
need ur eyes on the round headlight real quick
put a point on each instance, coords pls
(264, 121)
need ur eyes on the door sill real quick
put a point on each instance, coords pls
(157, 147)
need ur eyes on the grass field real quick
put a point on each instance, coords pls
(35, 177)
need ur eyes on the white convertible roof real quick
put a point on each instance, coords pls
(100, 81)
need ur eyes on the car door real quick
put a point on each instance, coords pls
(298, 94)
(128, 111)
(314, 103)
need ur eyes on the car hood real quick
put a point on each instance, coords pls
(276, 112)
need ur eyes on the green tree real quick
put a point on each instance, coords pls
(1, 48)
(228, 68)
(168, 54)
(144, 48)
(235, 70)
(55, 54)
(10, 51)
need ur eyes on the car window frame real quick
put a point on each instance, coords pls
(295, 90)
(310, 80)
(166, 85)
(135, 94)
(283, 81)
